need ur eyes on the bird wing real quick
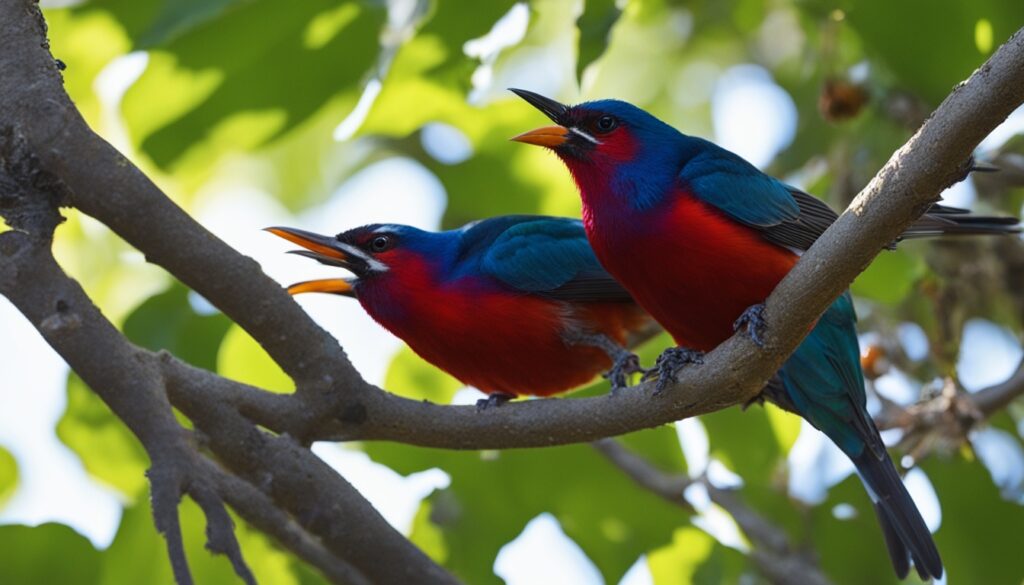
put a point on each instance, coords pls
(550, 256)
(783, 214)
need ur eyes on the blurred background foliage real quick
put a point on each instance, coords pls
(272, 109)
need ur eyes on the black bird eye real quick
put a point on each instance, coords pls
(380, 243)
(606, 123)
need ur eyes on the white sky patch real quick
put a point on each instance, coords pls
(467, 396)
(913, 339)
(714, 520)
(53, 486)
(110, 85)
(1013, 125)
(638, 574)
(445, 143)
(396, 497)
(752, 115)
(925, 498)
(989, 354)
(815, 465)
(722, 477)
(693, 438)
(508, 31)
(844, 511)
(542, 553)
(354, 121)
(961, 194)
(898, 387)
(1002, 455)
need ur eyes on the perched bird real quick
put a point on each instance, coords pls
(700, 237)
(512, 305)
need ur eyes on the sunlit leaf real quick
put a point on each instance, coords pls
(234, 96)
(44, 554)
(410, 376)
(107, 448)
(890, 277)
(168, 321)
(8, 475)
(241, 358)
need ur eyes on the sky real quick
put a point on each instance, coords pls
(751, 115)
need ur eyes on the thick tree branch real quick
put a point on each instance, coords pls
(771, 551)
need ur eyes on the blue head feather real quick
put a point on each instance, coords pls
(666, 159)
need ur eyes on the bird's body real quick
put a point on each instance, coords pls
(667, 247)
(700, 237)
(512, 305)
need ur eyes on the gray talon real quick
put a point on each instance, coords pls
(669, 363)
(753, 319)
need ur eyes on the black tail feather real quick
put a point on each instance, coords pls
(942, 220)
(906, 535)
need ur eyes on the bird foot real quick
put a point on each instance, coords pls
(493, 400)
(668, 365)
(753, 319)
(625, 365)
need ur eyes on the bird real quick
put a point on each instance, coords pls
(700, 237)
(512, 305)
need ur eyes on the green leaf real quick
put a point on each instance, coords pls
(8, 475)
(46, 554)
(890, 277)
(411, 376)
(494, 494)
(944, 50)
(167, 321)
(241, 358)
(694, 556)
(595, 24)
(109, 451)
(139, 554)
(235, 95)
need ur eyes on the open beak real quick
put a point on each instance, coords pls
(549, 136)
(334, 286)
(325, 250)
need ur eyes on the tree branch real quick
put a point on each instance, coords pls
(771, 552)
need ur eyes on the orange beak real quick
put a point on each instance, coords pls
(325, 250)
(310, 241)
(335, 286)
(549, 136)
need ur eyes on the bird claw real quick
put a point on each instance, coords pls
(625, 365)
(493, 400)
(668, 365)
(753, 319)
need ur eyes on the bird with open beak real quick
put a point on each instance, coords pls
(513, 305)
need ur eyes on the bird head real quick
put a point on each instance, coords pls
(597, 131)
(371, 253)
(610, 143)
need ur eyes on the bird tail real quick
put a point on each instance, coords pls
(943, 220)
(906, 535)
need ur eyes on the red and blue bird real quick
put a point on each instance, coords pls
(700, 238)
(511, 305)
